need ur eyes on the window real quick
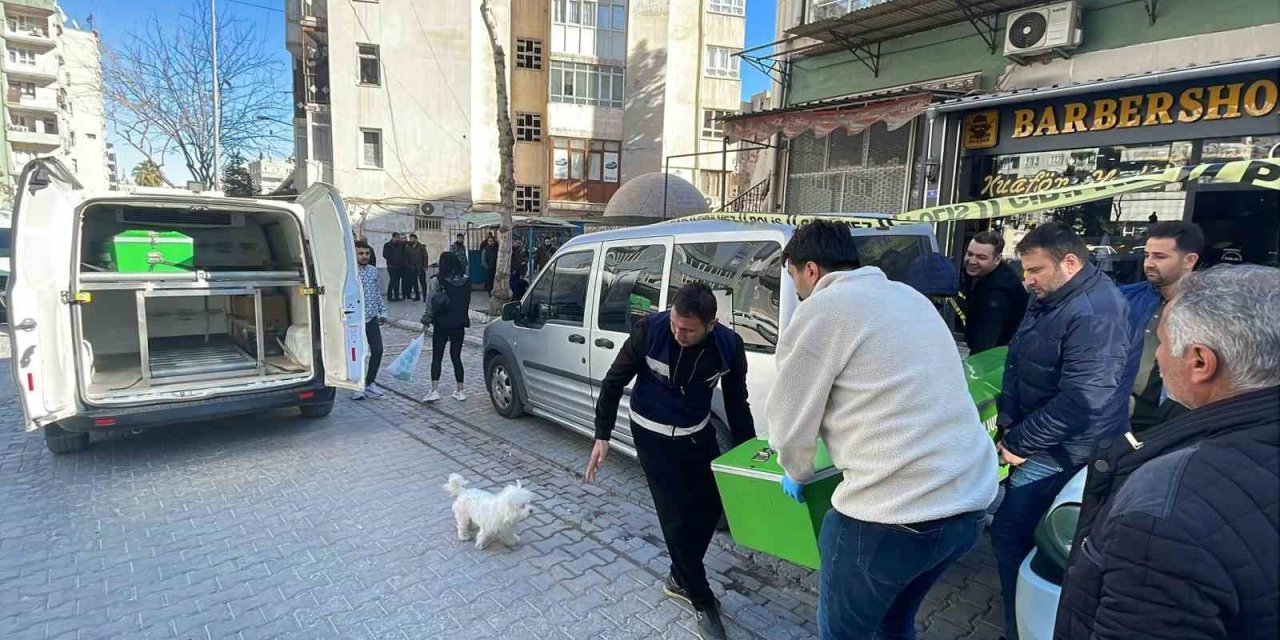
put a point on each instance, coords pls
(590, 160)
(712, 125)
(589, 84)
(370, 73)
(24, 89)
(722, 63)
(746, 278)
(711, 184)
(22, 56)
(730, 7)
(529, 127)
(528, 53)
(589, 28)
(371, 148)
(528, 199)
(864, 173)
(632, 286)
(91, 136)
(560, 295)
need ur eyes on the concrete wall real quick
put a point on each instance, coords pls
(647, 78)
(86, 116)
(1108, 26)
(485, 166)
(531, 19)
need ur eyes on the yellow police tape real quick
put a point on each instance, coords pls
(1264, 173)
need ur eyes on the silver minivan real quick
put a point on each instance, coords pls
(265, 312)
(549, 352)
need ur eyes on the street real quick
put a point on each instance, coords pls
(279, 527)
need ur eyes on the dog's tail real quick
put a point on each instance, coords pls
(455, 485)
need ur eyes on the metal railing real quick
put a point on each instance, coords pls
(753, 200)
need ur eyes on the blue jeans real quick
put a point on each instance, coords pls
(1031, 489)
(875, 576)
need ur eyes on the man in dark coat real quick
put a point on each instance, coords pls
(1061, 392)
(994, 298)
(1179, 534)
(416, 260)
(395, 255)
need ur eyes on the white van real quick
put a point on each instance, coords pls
(549, 353)
(266, 314)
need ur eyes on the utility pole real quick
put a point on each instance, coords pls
(217, 100)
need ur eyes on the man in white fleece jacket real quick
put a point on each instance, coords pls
(869, 366)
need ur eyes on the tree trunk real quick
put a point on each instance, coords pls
(507, 174)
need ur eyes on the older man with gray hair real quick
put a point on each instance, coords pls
(1179, 535)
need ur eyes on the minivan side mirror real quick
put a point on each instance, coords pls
(511, 311)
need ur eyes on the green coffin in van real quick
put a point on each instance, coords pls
(146, 251)
(763, 518)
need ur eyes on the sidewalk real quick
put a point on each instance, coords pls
(407, 314)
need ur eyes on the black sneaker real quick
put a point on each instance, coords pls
(709, 625)
(674, 590)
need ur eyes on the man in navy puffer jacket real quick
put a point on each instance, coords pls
(1062, 388)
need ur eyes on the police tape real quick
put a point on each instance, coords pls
(1263, 173)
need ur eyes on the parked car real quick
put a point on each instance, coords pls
(548, 353)
(132, 311)
(1040, 576)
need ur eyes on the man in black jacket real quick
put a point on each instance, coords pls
(395, 254)
(1179, 535)
(1061, 390)
(995, 299)
(677, 359)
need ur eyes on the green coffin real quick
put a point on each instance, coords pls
(763, 518)
(144, 251)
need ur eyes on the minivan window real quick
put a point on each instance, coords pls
(561, 293)
(631, 285)
(893, 254)
(746, 278)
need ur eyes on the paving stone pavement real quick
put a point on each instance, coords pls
(279, 527)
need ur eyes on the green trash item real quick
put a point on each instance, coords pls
(763, 518)
(147, 251)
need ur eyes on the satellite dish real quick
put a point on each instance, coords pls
(427, 209)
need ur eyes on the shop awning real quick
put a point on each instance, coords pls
(854, 115)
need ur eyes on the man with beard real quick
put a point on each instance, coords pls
(994, 298)
(1173, 251)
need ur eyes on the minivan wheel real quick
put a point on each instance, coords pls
(501, 384)
(61, 441)
(316, 410)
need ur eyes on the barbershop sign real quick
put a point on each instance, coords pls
(1226, 106)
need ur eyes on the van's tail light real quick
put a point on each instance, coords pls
(306, 395)
(104, 422)
(353, 354)
(31, 382)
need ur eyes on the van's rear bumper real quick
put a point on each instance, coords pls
(93, 419)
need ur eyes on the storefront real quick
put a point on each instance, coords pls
(1025, 142)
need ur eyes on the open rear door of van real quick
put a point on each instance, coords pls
(338, 283)
(40, 295)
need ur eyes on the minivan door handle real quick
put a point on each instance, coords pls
(577, 339)
(26, 325)
(604, 343)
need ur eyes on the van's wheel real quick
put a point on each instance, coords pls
(503, 391)
(316, 410)
(61, 441)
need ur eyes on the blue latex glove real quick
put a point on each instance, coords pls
(793, 489)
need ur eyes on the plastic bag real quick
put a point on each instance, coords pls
(404, 364)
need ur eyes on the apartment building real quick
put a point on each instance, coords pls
(53, 105)
(396, 106)
(267, 174)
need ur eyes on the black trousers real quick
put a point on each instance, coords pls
(453, 338)
(678, 470)
(419, 282)
(373, 334)
(395, 275)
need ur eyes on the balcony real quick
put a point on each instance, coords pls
(38, 73)
(305, 18)
(27, 35)
(21, 135)
(15, 100)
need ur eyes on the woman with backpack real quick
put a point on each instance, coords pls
(448, 306)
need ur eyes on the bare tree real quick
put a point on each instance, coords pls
(159, 91)
(507, 173)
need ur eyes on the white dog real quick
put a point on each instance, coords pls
(495, 515)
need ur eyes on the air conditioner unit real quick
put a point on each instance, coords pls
(1052, 29)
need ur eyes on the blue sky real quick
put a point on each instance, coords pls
(116, 19)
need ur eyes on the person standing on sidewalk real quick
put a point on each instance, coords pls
(1062, 390)
(393, 252)
(375, 313)
(677, 358)
(518, 280)
(994, 299)
(489, 261)
(1179, 533)
(416, 269)
(449, 321)
(868, 366)
(1173, 251)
